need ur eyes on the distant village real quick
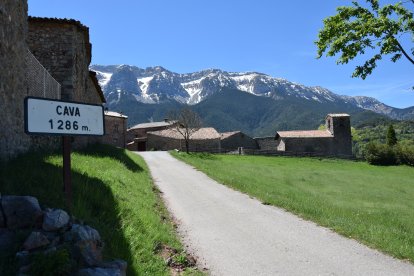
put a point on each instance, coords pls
(50, 58)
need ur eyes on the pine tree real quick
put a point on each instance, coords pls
(391, 137)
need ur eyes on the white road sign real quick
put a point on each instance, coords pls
(45, 116)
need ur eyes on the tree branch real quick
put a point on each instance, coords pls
(403, 51)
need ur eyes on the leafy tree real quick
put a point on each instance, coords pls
(357, 28)
(391, 136)
(188, 123)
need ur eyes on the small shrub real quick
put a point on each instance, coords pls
(405, 154)
(380, 154)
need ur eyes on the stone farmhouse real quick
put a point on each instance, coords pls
(44, 57)
(236, 139)
(115, 129)
(137, 135)
(335, 140)
(205, 139)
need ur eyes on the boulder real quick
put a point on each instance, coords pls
(87, 244)
(2, 221)
(99, 271)
(23, 258)
(7, 239)
(21, 211)
(35, 240)
(54, 220)
(118, 264)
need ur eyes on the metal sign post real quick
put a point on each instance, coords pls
(67, 174)
(66, 119)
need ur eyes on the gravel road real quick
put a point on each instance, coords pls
(233, 234)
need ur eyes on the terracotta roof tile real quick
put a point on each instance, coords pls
(338, 115)
(202, 134)
(304, 134)
(153, 124)
(115, 114)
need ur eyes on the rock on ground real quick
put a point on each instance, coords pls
(55, 219)
(21, 211)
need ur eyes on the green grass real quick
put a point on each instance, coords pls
(369, 203)
(112, 192)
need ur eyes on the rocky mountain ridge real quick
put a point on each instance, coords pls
(155, 85)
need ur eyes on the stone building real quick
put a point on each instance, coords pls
(115, 129)
(13, 85)
(94, 94)
(205, 139)
(335, 140)
(266, 143)
(62, 46)
(137, 135)
(235, 139)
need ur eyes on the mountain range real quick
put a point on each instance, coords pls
(258, 102)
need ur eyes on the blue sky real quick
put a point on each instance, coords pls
(268, 36)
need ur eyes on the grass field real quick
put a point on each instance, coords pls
(369, 203)
(112, 192)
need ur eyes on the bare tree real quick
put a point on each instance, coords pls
(188, 122)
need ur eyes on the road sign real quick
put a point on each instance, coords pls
(53, 117)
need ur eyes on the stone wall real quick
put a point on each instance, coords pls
(266, 143)
(13, 87)
(238, 140)
(310, 145)
(155, 142)
(115, 131)
(133, 133)
(63, 48)
(341, 129)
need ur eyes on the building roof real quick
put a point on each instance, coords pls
(304, 134)
(153, 124)
(205, 133)
(115, 114)
(92, 75)
(338, 115)
(225, 135)
(82, 28)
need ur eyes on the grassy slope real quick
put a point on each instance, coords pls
(372, 204)
(112, 192)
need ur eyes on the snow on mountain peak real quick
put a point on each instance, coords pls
(156, 84)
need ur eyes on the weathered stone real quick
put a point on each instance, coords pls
(87, 244)
(117, 264)
(35, 240)
(2, 221)
(98, 271)
(23, 258)
(55, 220)
(7, 239)
(21, 211)
(13, 88)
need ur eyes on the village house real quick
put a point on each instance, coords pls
(46, 58)
(62, 46)
(205, 139)
(115, 129)
(335, 140)
(236, 139)
(137, 134)
(266, 143)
